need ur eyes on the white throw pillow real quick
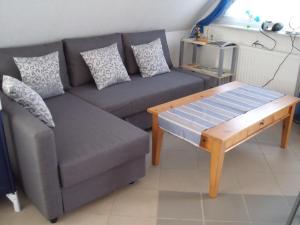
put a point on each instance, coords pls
(28, 98)
(41, 74)
(106, 66)
(150, 58)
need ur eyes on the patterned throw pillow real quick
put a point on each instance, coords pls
(41, 74)
(28, 98)
(150, 58)
(106, 66)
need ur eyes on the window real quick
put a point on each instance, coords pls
(254, 12)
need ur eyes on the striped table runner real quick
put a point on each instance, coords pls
(188, 121)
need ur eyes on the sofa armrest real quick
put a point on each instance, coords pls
(35, 151)
(209, 82)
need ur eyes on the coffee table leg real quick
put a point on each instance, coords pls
(286, 128)
(157, 136)
(216, 164)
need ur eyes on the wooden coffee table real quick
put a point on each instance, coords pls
(226, 136)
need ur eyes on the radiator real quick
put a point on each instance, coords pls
(256, 66)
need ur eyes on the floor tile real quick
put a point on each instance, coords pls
(6, 212)
(6, 208)
(204, 161)
(271, 135)
(294, 223)
(149, 160)
(266, 224)
(170, 142)
(29, 213)
(179, 205)
(260, 183)
(227, 223)
(101, 206)
(248, 157)
(295, 134)
(178, 222)
(228, 182)
(289, 183)
(179, 159)
(123, 220)
(248, 147)
(283, 161)
(82, 219)
(226, 207)
(291, 201)
(294, 143)
(179, 180)
(250, 163)
(296, 152)
(151, 179)
(135, 202)
(267, 209)
(273, 148)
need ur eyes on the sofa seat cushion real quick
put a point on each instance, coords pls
(90, 141)
(126, 99)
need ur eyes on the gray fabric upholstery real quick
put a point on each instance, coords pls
(103, 184)
(8, 66)
(90, 141)
(78, 70)
(36, 154)
(209, 82)
(143, 38)
(126, 99)
(142, 120)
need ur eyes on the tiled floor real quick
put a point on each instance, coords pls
(258, 187)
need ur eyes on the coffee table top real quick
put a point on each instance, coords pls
(235, 126)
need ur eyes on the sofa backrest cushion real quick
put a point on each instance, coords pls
(8, 66)
(78, 70)
(130, 39)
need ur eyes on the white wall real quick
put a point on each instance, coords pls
(31, 21)
(26, 22)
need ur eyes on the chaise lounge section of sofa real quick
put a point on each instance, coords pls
(97, 144)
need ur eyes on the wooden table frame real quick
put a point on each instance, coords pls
(224, 137)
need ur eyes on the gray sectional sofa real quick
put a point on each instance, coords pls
(99, 143)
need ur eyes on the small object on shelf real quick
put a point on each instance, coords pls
(200, 37)
(253, 20)
(219, 73)
(197, 33)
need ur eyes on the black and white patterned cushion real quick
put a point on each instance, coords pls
(28, 98)
(106, 66)
(41, 74)
(150, 58)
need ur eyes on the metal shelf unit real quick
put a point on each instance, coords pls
(219, 73)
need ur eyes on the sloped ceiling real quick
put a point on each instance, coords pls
(32, 21)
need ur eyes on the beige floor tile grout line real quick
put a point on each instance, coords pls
(244, 200)
(202, 208)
